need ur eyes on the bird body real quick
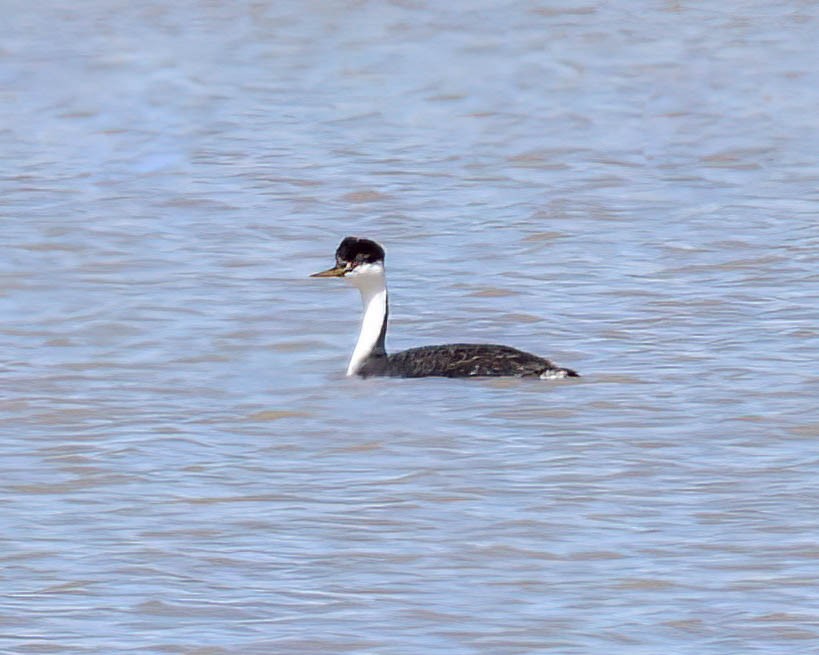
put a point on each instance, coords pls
(361, 261)
(462, 360)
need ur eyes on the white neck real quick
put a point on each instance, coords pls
(372, 284)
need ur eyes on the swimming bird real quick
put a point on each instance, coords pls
(361, 262)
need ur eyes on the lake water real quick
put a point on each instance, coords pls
(630, 188)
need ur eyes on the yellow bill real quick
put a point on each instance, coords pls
(336, 271)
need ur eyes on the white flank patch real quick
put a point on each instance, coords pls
(552, 375)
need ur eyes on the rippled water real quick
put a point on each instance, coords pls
(629, 188)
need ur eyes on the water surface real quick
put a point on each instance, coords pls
(628, 188)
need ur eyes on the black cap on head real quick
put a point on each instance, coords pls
(358, 251)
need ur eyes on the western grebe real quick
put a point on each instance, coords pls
(361, 262)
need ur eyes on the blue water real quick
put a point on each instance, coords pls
(627, 188)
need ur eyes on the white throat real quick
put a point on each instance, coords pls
(371, 282)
